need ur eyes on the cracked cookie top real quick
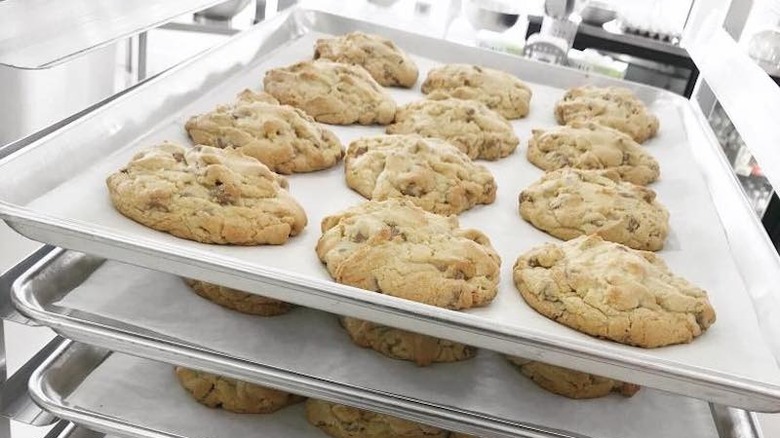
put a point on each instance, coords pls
(331, 92)
(283, 138)
(206, 194)
(467, 124)
(396, 248)
(615, 107)
(233, 395)
(588, 145)
(610, 291)
(498, 90)
(384, 61)
(429, 172)
(569, 203)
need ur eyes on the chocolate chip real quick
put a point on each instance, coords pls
(633, 225)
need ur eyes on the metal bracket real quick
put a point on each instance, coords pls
(15, 401)
(7, 310)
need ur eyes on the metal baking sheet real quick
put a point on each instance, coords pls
(55, 193)
(130, 396)
(308, 346)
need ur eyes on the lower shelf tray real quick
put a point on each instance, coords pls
(307, 353)
(114, 393)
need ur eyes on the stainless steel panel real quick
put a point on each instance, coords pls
(126, 118)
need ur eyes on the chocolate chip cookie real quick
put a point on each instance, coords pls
(233, 395)
(206, 194)
(611, 291)
(589, 145)
(467, 124)
(383, 60)
(239, 301)
(331, 92)
(615, 107)
(500, 91)
(571, 383)
(569, 203)
(396, 248)
(429, 172)
(401, 344)
(283, 138)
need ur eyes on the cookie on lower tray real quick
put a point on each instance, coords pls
(615, 107)
(331, 92)
(384, 61)
(239, 301)
(341, 421)
(206, 194)
(569, 203)
(233, 395)
(396, 248)
(467, 124)
(571, 383)
(401, 344)
(589, 145)
(610, 291)
(498, 90)
(283, 138)
(429, 172)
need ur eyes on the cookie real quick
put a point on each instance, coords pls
(206, 194)
(429, 172)
(237, 300)
(396, 248)
(341, 421)
(500, 91)
(467, 124)
(571, 383)
(615, 107)
(250, 96)
(588, 145)
(381, 58)
(400, 344)
(569, 203)
(233, 395)
(339, 94)
(283, 138)
(613, 292)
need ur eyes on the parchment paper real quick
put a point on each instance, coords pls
(145, 392)
(696, 249)
(312, 343)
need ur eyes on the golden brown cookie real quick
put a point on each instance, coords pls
(401, 344)
(467, 124)
(283, 138)
(429, 172)
(498, 90)
(233, 395)
(341, 421)
(588, 145)
(571, 383)
(339, 94)
(615, 107)
(239, 301)
(384, 61)
(396, 248)
(614, 292)
(569, 203)
(206, 194)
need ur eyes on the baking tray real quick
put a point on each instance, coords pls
(54, 192)
(156, 315)
(133, 397)
(79, 383)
